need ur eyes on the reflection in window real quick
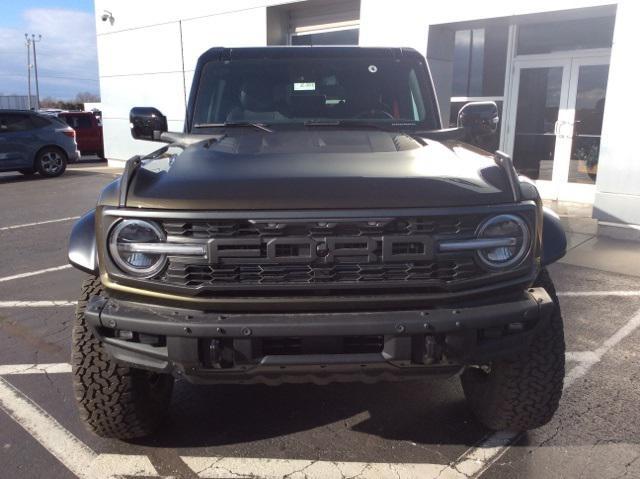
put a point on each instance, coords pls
(336, 37)
(566, 35)
(479, 61)
(468, 55)
(585, 150)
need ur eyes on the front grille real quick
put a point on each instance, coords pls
(322, 253)
(265, 274)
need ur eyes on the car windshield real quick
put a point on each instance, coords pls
(382, 91)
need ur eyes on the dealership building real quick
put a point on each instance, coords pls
(563, 74)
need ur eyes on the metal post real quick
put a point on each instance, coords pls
(35, 68)
(28, 43)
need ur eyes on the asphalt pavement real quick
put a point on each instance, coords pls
(403, 430)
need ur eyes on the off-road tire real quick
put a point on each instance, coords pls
(523, 392)
(114, 400)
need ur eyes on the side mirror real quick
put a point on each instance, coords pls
(479, 118)
(147, 123)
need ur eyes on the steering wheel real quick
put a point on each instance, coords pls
(374, 113)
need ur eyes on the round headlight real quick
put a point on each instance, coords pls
(514, 233)
(127, 247)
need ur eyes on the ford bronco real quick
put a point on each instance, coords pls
(314, 222)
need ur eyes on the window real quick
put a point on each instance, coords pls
(39, 122)
(314, 22)
(12, 122)
(77, 122)
(330, 37)
(479, 61)
(297, 89)
(566, 35)
(468, 55)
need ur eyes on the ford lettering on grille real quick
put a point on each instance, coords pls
(327, 250)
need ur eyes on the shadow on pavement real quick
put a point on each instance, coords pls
(422, 412)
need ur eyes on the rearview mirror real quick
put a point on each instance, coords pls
(147, 123)
(479, 118)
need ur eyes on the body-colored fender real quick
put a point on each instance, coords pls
(82, 244)
(554, 239)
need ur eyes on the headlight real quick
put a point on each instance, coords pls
(507, 241)
(133, 245)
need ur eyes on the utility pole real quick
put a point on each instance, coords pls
(28, 43)
(35, 68)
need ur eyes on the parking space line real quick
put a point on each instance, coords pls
(50, 368)
(587, 360)
(599, 293)
(35, 273)
(85, 463)
(74, 454)
(264, 468)
(35, 304)
(38, 223)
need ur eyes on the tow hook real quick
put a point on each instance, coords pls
(432, 350)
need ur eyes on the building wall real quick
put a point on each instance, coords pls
(147, 56)
(618, 184)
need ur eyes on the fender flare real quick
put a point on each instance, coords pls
(554, 239)
(82, 251)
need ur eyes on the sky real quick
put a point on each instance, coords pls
(67, 54)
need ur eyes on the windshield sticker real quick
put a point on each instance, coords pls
(373, 68)
(304, 86)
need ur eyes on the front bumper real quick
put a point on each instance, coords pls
(205, 346)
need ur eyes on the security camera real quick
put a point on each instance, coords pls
(107, 16)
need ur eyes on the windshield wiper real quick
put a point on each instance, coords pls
(360, 124)
(235, 124)
(365, 124)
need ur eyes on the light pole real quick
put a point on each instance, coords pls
(35, 68)
(28, 43)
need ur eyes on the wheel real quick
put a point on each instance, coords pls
(523, 392)
(51, 162)
(114, 400)
(27, 171)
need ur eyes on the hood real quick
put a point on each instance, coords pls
(319, 169)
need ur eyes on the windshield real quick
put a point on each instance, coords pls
(385, 91)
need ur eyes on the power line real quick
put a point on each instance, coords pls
(17, 75)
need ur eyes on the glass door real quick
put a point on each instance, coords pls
(555, 122)
(539, 135)
(587, 94)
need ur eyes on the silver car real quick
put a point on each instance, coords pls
(31, 142)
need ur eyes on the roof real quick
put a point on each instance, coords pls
(222, 53)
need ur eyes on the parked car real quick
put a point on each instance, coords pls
(31, 142)
(314, 223)
(88, 129)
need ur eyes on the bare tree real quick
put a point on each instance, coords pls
(87, 97)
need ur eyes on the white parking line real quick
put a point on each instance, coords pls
(599, 293)
(225, 467)
(64, 446)
(25, 225)
(35, 304)
(587, 359)
(50, 368)
(85, 463)
(35, 273)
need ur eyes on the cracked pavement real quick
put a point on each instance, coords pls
(341, 430)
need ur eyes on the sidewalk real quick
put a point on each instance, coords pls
(587, 249)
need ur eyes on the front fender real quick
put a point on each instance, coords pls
(554, 239)
(82, 244)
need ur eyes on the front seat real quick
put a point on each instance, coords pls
(257, 103)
